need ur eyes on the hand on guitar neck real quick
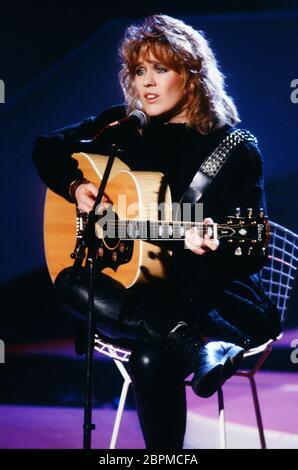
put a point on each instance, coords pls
(197, 244)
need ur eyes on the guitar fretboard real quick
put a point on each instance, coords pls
(155, 230)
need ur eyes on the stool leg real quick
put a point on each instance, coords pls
(222, 424)
(127, 382)
(257, 411)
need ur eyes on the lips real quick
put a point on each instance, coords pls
(150, 97)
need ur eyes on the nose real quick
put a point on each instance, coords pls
(149, 79)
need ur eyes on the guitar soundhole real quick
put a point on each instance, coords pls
(111, 243)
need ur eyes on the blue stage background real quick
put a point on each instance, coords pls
(258, 55)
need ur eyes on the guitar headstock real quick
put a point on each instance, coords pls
(247, 234)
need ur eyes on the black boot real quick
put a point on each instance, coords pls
(213, 362)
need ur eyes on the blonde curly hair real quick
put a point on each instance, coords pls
(185, 50)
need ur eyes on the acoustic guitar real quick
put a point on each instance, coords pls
(134, 236)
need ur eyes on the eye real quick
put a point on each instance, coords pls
(161, 69)
(140, 71)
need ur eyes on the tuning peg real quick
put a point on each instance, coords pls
(238, 251)
(249, 212)
(238, 212)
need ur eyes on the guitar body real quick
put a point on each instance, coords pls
(127, 261)
(140, 210)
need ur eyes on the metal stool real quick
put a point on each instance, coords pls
(278, 276)
(119, 356)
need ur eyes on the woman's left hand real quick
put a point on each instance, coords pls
(197, 244)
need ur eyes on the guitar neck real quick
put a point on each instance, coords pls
(162, 230)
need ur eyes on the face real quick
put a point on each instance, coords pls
(160, 90)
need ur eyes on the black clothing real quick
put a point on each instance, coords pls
(160, 396)
(219, 294)
(178, 151)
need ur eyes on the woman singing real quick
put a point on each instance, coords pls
(212, 306)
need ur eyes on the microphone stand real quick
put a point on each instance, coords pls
(89, 241)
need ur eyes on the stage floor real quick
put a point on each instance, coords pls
(52, 427)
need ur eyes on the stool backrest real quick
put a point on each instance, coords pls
(278, 274)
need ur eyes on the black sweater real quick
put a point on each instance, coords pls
(177, 151)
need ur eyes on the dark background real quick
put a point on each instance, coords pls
(59, 64)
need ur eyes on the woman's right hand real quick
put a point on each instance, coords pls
(85, 195)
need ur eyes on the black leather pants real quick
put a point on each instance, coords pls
(157, 377)
(160, 396)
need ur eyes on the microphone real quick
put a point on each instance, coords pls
(135, 120)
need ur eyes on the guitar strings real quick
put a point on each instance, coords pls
(131, 226)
